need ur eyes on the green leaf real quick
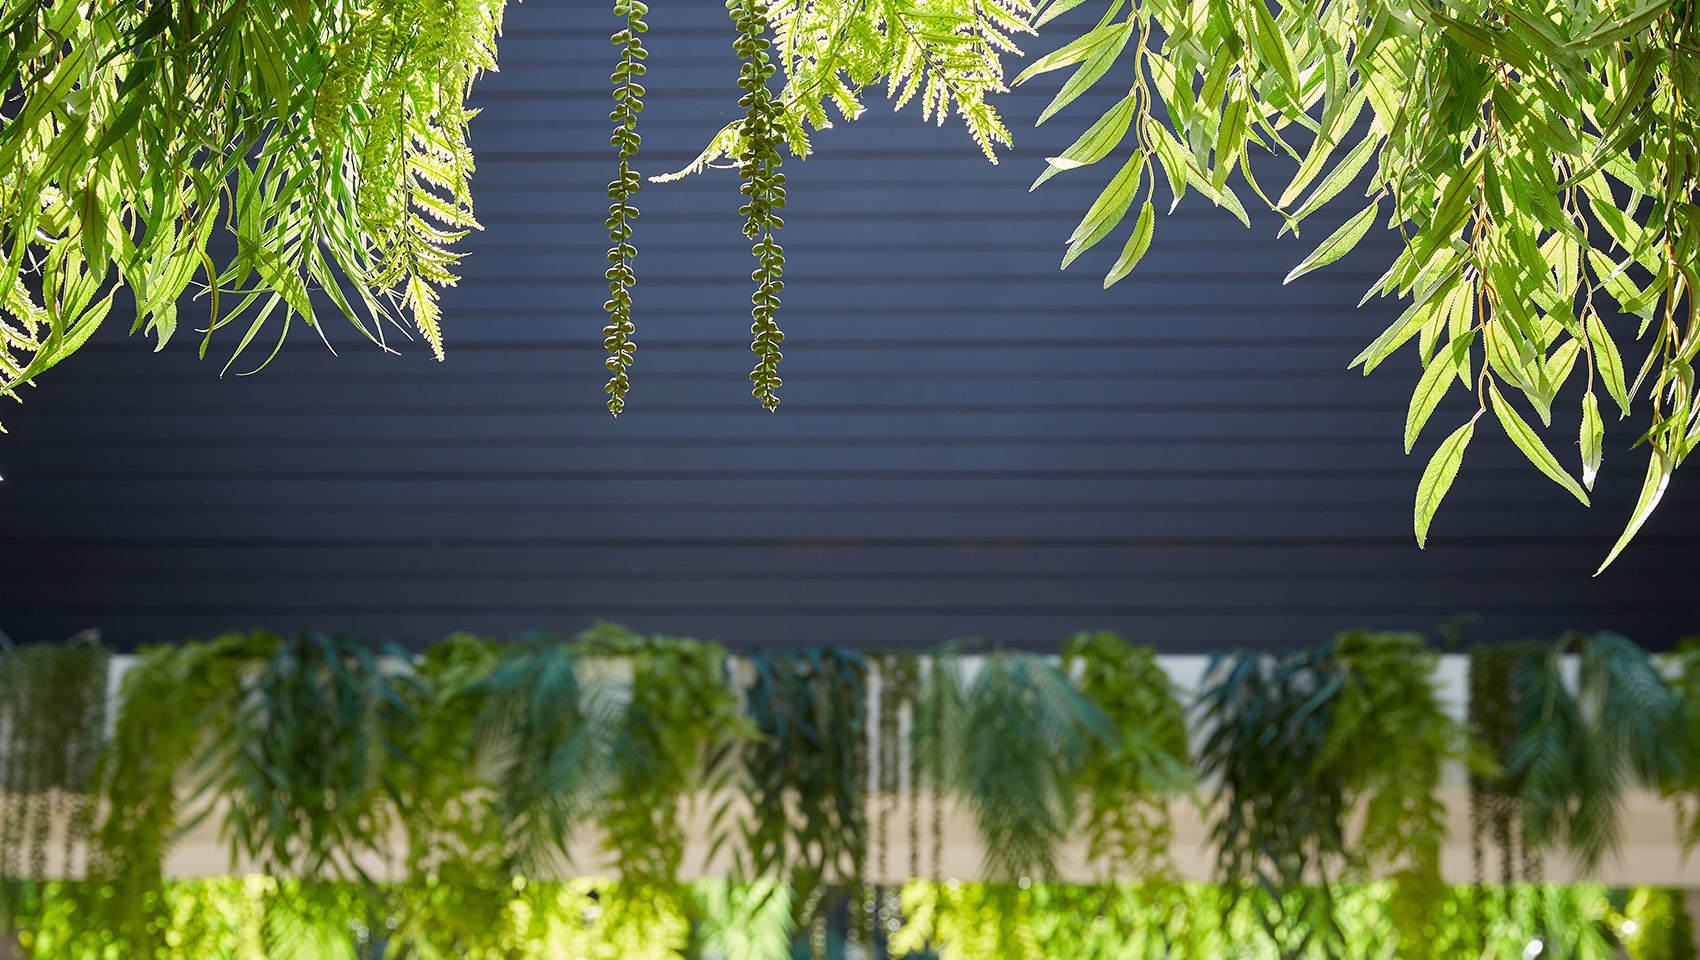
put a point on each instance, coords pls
(1592, 438)
(1530, 443)
(1338, 179)
(1608, 362)
(1659, 469)
(1095, 66)
(1338, 244)
(1076, 50)
(1438, 476)
(1230, 138)
(1273, 45)
(1436, 380)
(1096, 143)
(1136, 246)
(1107, 210)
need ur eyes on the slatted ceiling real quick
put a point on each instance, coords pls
(971, 442)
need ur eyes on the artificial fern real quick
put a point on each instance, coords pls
(1578, 749)
(168, 702)
(546, 735)
(330, 138)
(305, 763)
(1009, 747)
(807, 820)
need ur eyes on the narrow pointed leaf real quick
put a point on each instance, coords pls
(1592, 440)
(1136, 246)
(1438, 476)
(1338, 244)
(1652, 491)
(1530, 443)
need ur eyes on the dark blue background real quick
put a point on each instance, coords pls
(971, 442)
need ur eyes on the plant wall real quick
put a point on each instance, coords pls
(490, 798)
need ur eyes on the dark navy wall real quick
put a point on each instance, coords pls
(971, 441)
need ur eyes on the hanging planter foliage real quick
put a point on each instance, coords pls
(804, 776)
(1297, 744)
(52, 719)
(1577, 749)
(1132, 779)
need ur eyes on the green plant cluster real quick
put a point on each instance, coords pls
(430, 800)
(264, 918)
(1564, 749)
(1299, 742)
(329, 137)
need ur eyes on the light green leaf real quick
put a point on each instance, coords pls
(1338, 244)
(1652, 491)
(1093, 145)
(1136, 246)
(1095, 66)
(1273, 45)
(1592, 440)
(1530, 443)
(1608, 362)
(1076, 50)
(1438, 476)
(1339, 178)
(1436, 380)
(1107, 210)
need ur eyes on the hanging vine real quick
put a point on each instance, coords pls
(761, 135)
(681, 714)
(1493, 798)
(303, 764)
(52, 723)
(171, 704)
(1130, 781)
(628, 103)
(807, 820)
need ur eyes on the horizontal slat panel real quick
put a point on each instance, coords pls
(972, 442)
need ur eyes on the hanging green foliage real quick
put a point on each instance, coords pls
(548, 737)
(172, 703)
(764, 189)
(628, 103)
(1131, 780)
(1537, 160)
(329, 137)
(804, 775)
(1539, 164)
(1578, 749)
(1008, 746)
(454, 894)
(1391, 735)
(1494, 806)
(680, 720)
(52, 724)
(1299, 743)
(1281, 810)
(305, 766)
